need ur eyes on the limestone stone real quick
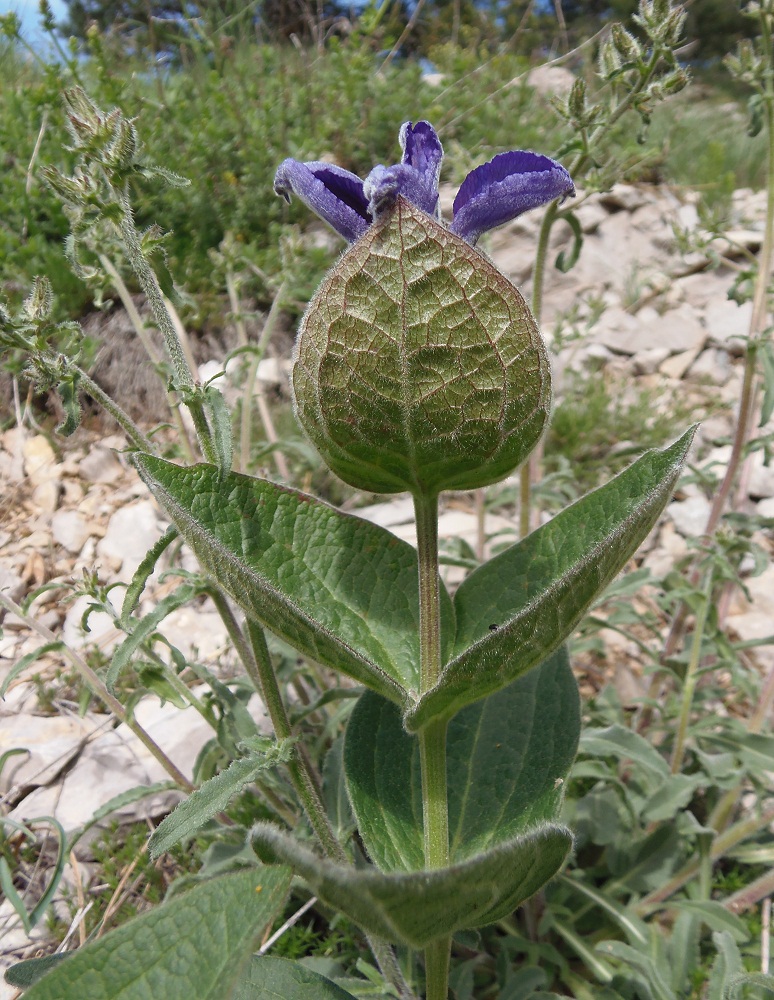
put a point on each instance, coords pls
(689, 516)
(11, 584)
(70, 530)
(676, 366)
(50, 742)
(728, 323)
(678, 329)
(131, 531)
(101, 632)
(711, 365)
(765, 507)
(117, 761)
(624, 196)
(648, 361)
(39, 460)
(196, 628)
(99, 466)
(761, 483)
(619, 331)
(550, 80)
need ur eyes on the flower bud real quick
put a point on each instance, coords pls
(626, 44)
(37, 305)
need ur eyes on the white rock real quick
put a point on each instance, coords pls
(676, 366)
(619, 331)
(272, 371)
(690, 516)
(765, 507)
(99, 466)
(761, 477)
(678, 329)
(131, 531)
(400, 511)
(51, 742)
(647, 362)
(11, 584)
(624, 196)
(39, 460)
(727, 322)
(196, 628)
(712, 365)
(101, 632)
(117, 761)
(70, 530)
(550, 81)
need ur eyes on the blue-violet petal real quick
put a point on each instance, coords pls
(504, 188)
(423, 151)
(335, 194)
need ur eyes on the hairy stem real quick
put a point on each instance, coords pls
(150, 349)
(121, 417)
(150, 286)
(260, 669)
(691, 678)
(432, 739)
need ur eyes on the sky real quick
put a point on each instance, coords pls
(28, 13)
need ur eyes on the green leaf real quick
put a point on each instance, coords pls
(71, 406)
(280, 979)
(566, 260)
(131, 795)
(418, 365)
(209, 799)
(520, 742)
(220, 424)
(727, 965)
(418, 907)
(634, 928)
(715, 916)
(24, 661)
(340, 590)
(538, 590)
(761, 979)
(24, 974)
(141, 575)
(672, 796)
(145, 627)
(632, 958)
(618, 741)
(195, 945)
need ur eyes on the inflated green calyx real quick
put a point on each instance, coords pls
(418, 366)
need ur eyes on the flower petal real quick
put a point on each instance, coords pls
(335, 194)
(384, 184)
(423, 151)
(504, 188)
(415, 177)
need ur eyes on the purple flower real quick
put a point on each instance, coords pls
(490, 195)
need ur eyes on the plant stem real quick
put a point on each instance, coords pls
(691, 677)
(150, 349)
(121, 417)
(247, 397)
(150, 286)
(259, 667)
(432, 739)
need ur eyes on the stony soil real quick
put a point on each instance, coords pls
(69, 508)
